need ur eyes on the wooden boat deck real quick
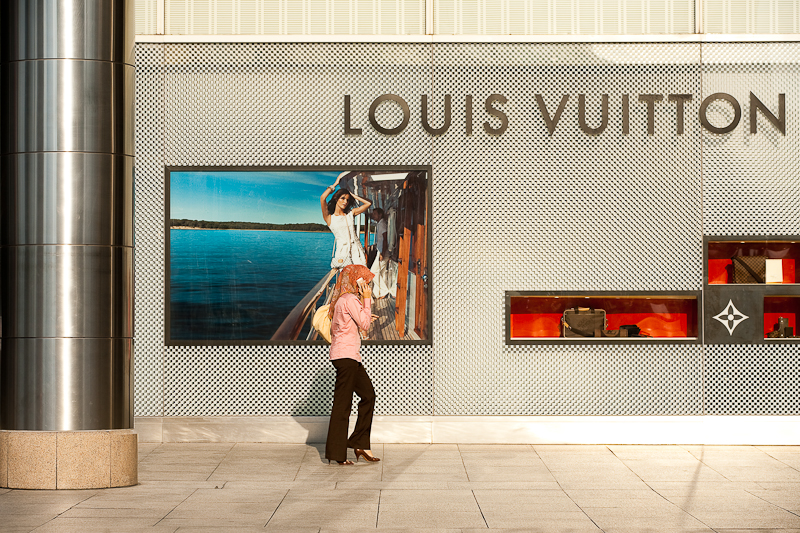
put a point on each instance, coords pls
(382, 329)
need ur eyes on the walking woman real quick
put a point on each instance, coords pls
(339, 214)
(350, 310)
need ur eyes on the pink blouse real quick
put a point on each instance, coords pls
(348, 316)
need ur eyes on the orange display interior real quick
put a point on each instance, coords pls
(780, 306)
(720, 265)
(540, 316)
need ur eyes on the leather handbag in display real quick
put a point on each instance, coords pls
(749, 269)
(583, 322)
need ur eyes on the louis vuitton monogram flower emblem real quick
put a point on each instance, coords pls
(730, 317)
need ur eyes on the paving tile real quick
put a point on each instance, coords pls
(208, 522)
(436, 519)
(285, 529)
(758, 530)
(62, 525)
(641, 527)
(541, 527)
(421, 478)
(306, 496)
(684, 487)
(789, 500)
(525, 501)
(51, 509)
(232, 529)
(728, 520)
(340, 521)
(231, 495)
(599, 479)
(442, 500)
(225, 510)
(573, 449)
(500, 485)
(28, 521)
(149, 512)
(503, 449)
(579, 494)
(394, 530)
(508, 473)
(279, 485)
(612, 522)
(397, 485)
(566, 522)
(47, 496)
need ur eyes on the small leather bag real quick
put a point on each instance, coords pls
(749, 269)
(583, 322)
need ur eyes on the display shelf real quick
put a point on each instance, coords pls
(782, 252)
(777, 307)
(536, 316)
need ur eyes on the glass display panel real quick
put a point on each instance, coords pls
(541, 317)
(771, 262)
(250, 257)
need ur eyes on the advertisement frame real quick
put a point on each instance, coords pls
(168, 170)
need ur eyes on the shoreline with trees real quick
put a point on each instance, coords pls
(182, 223)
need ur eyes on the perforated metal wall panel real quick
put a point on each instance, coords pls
(281, 104)
(289, 380)
(149, 232)
(750, 181)
(525, 210)
(752, 380)
(530, 211)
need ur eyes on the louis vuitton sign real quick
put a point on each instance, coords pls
(495, 121)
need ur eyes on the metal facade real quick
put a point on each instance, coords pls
(524, 210)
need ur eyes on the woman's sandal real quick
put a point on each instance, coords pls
(365, 455)
(343, 463)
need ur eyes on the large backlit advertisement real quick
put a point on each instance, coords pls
(250, 255)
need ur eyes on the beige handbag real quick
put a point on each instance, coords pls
(322, 323)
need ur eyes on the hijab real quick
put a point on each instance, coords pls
(347, 283)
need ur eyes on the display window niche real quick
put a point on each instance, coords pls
(780, 317)
(616, 317)
(752, 260)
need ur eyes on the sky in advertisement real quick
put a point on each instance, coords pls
(288, 197)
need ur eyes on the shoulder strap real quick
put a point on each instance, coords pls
(749, 270)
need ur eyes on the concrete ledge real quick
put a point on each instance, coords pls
(68, 459)
(720, 430)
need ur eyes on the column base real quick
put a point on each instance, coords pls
(68, 459)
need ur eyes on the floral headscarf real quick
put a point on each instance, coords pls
(347, 283)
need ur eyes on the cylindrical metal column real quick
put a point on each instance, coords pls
(66, 215)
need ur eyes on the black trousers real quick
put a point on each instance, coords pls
(350, 377)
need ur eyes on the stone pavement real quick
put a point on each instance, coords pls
(433, 488)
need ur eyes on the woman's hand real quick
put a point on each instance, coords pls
(365, 289)
(365, 204)
(323, 200)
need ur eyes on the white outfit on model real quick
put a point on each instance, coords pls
(348, 249)
(381, 283)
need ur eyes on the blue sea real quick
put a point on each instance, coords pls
(241, 284)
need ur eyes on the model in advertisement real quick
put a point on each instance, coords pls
(380, 266)
(339, 214)
(350, 311)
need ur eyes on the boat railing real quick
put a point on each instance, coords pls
(292, 325)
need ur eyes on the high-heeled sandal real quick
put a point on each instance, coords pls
(342, 463)
(365, 455)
